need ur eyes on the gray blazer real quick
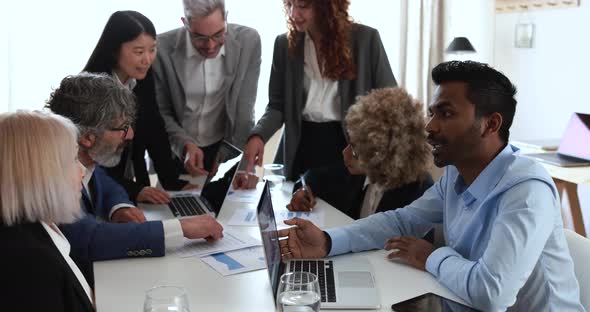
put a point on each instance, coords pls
(242, 68)
(287, 96)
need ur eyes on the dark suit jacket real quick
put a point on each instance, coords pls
(35, 276)
(286, 96)
(92, 239)
(339, 188)
(150, 135)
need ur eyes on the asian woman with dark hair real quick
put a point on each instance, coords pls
(126, 50)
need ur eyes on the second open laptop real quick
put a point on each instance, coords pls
(344, 283)
(188, 204)
(574, 148)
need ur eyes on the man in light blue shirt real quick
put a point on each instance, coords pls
(505, 246)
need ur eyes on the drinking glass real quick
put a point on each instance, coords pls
(275, 175)
(166, 299)
(298, 291)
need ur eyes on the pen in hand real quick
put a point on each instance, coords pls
(305, 192)
(303, 198)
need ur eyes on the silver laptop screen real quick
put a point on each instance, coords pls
(270, 239)
(576, 139)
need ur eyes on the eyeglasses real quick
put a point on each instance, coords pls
(218, 37)
(124, 128)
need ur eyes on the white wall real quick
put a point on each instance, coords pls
(56, 38)
(553, 77)
(473, 19)
(4, 58)
(383, 15)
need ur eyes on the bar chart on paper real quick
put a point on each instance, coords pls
(238, 261)
(247, 217)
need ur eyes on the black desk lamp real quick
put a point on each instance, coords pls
(460, 45)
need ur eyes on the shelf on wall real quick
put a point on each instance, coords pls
(508, 6)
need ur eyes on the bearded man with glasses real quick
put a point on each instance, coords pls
(206, 75)
(111, 227)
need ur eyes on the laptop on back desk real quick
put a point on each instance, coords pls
(574, 148)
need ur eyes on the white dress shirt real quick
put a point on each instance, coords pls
(323, 100)
(204, 114)
(373, 196)
(63, 246)
(129, 84)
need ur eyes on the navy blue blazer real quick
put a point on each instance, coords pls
(35, 276)
(93, 239)
(344, 191)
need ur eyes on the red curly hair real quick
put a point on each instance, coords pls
(333, 21)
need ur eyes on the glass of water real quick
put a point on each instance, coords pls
(166, 299)
(275, 175)
(298, 291)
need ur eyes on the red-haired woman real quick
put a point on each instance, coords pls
(319, 67)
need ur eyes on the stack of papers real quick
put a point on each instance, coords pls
(234, 253)
(230, 241)
(245, 196)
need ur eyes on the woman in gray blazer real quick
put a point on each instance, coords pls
(319, 67)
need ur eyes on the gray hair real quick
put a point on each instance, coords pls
(94, 102)
(202, 8)
(38, 164)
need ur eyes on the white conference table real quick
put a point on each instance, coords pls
(120, 285)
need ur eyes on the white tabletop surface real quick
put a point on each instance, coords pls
(120, 285)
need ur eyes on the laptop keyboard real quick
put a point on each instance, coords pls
(324, 270)
(183, 206)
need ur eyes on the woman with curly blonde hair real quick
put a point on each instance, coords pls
(386, 161)
(319, 66)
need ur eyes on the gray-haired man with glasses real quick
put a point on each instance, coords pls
(206, 75)
(112, 227)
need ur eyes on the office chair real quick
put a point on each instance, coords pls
(580, 251)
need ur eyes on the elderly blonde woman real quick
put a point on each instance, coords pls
(385, 164)
(40, 182)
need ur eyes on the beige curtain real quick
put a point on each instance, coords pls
(421, 45)
(421, 48)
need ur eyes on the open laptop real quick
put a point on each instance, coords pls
(344, 283)
(209, 201)
(574, 148)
